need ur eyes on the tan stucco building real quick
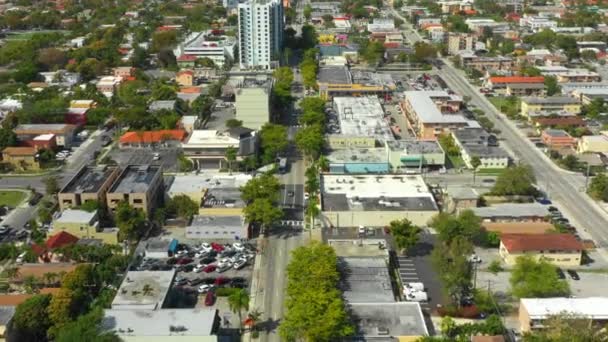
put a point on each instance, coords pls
(558, 249)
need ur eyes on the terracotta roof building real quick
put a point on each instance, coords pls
(46, 252)
(147, 138)
(558, 249)
(501, 82)
(21, 158)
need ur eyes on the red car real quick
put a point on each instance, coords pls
(209, 268)
(217, 247)
(221, 281)
(210, 298)
(184, 261)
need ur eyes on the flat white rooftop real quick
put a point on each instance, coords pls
(592, 307)
(130, 295)
(210, 138)
(426, 109)
(208, 180)
(362, 116)
(375, 186)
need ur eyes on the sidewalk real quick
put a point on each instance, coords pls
(256, 290)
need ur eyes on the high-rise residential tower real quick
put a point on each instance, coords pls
(260, 33)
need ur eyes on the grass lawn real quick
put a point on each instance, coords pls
(11, 198)
(494, 172)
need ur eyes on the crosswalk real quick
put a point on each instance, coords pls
(408, 274)
(292, 223)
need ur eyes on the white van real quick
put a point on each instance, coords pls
(417, 296)
(414, 286)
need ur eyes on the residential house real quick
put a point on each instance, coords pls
(64, 133)
(476, 142)
(558, 139)
(21, 158)
(562, 250)
(550, 104)
(84, 225)
(593, 144)
(49, 251)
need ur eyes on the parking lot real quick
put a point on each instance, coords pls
(136, 156)
(416, 267)
(201, 268)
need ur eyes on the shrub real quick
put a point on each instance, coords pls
(225, 291)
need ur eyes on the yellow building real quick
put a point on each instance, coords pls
(550, 104)
(593, 143)
(84, 225)
(559, 249)
(22, 158)
(185, 78)
(327, 38)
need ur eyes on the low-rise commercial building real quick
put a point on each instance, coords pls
(403, 321)
(338, 81)
(432, 113)
(218, 227)
(175, 325)
(84, 224)
(500, 84)
(525, 89)
(362, 117)
(405, 155)
(559, 249)
(207, 148)
(217, 47)
(557, 139)
(476, 142)
(64, 133)
(21, 158)
(107, 85)
(550, 104)
(567, 75)
(374, 201)
(161, 138)
(358, 161)
(534, 312)
(139, 185)
(593, 144)
(89, 184)
(487, 64)
(131, 296)
(513, 212)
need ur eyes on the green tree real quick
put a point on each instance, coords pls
(51, 185)
(131, 222)
(598, 187)
(163, 40)
(405, 233)
(451, 261)
(182, 206)
(449, 145)
(551, 85)
(307, 12)
(475, 163)
(262, 211)
(312, 104)
(424, 51)
(31, 320)
(315, 309)
(310, 141)
(466, 225)
(233, 123)
(230, 155)
(536, 279)
(264, 186)
(273, 141)
(495, 267)
(90, 206)
(239, 301)
(515, 180)
(52, 58)
(7, 138)
(86, 328)
(570, 162)
(567, 327)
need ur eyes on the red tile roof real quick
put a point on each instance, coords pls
(60, 239)
(186, 72)
(560, 121)
(517, 79)
(540, 242)
(186, 58)
(152, 136)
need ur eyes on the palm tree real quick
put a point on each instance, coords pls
(254, 315)
(147, 290)
(475, 163)
(231, 154)
(238, 301)
(323, 163)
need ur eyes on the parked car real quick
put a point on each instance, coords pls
(560, 273)
(187, 268)
(199, 268)
(205, 288)
(573, 274)
(224, 268)
(180, 281)
(217, 247)
(195, 281)
(240, 264)
(209, 281)
(209, 268)
(210, 298)
(207, 260)
(183, 261)
(221, 281)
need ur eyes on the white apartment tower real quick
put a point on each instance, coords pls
(260, 33)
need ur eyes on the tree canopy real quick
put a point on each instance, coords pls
(182, 206)
(536, 279)
(273, 141)
(315, 309)
(405, 233)
(515, 180)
